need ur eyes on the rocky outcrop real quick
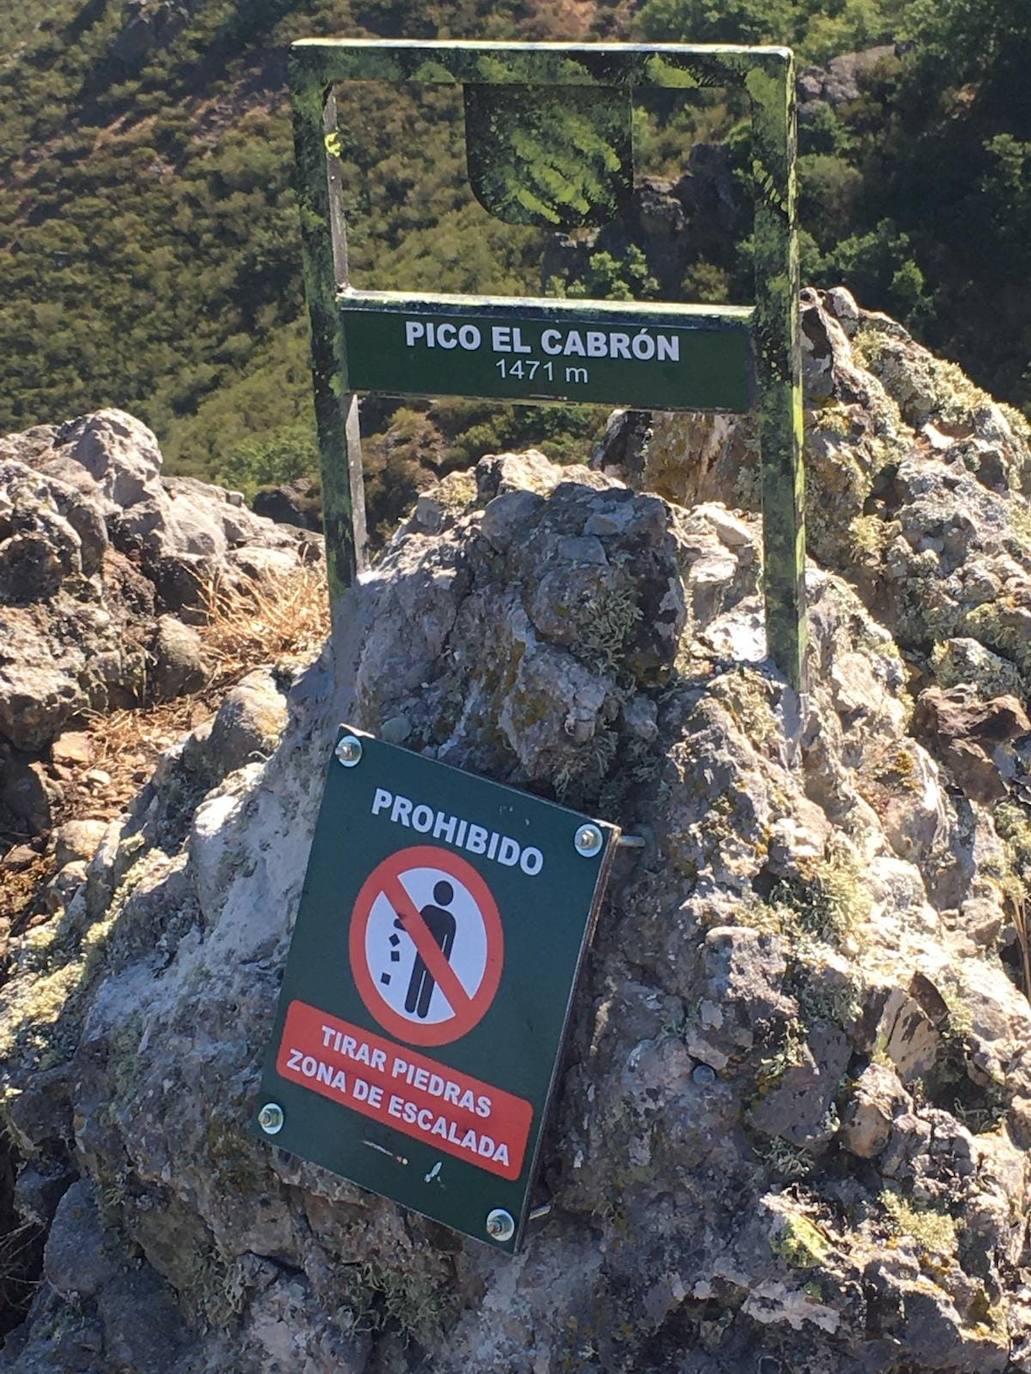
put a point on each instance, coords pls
(674, 223)
(843, 79)
(294, 503)
(917, 490)
(104, 565)
(792, 1120)
(147, 27)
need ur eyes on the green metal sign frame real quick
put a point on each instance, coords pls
(669, 357)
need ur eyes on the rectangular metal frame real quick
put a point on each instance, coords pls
(765, 73)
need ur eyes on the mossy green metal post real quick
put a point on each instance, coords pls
(324, 253)
(778, 362)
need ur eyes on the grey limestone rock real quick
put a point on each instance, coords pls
(94, 545)
(918, 486)
(178, 662)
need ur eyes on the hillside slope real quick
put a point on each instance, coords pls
(148, 242)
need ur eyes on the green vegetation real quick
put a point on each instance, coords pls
(934, 1231)
(148, 244)
(916, 194)
(826, 900)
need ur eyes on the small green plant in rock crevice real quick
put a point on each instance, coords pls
(825, 899)
(379, 1299)
(935, 1231)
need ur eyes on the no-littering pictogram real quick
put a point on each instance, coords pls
(426, 945)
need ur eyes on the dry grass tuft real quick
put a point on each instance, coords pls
(264, 622)
(245, 626)
(273, 620)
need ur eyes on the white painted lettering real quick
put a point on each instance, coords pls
(444, 827)
(477, 841)
(531, 862)
(508, 852)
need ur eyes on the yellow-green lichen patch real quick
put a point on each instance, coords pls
(39, 1016)
(408, 1300)
(799, 1242)
(934, 1231)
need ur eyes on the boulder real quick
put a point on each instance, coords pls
(179, 664)
(972, 737)
(94, 545)
(877, 1099)
(77, 840)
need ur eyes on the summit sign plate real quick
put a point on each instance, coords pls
(441, 928)
(560, 351)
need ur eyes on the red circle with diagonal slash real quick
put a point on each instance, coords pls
(468, 1008)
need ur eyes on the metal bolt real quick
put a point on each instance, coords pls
(500, 1225)
(271, 1118)
(349, 751)
(588, 841)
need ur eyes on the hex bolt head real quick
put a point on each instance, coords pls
(588, 841)
(271, 1118)
(349, 751)
(500, 1226)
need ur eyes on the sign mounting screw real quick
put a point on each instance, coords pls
(349, 751)
(271, 1118)
(500, 1226)
(588, 841)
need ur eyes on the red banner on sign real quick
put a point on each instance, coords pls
(444, 1108)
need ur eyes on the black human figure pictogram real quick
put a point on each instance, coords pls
(441, 925)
